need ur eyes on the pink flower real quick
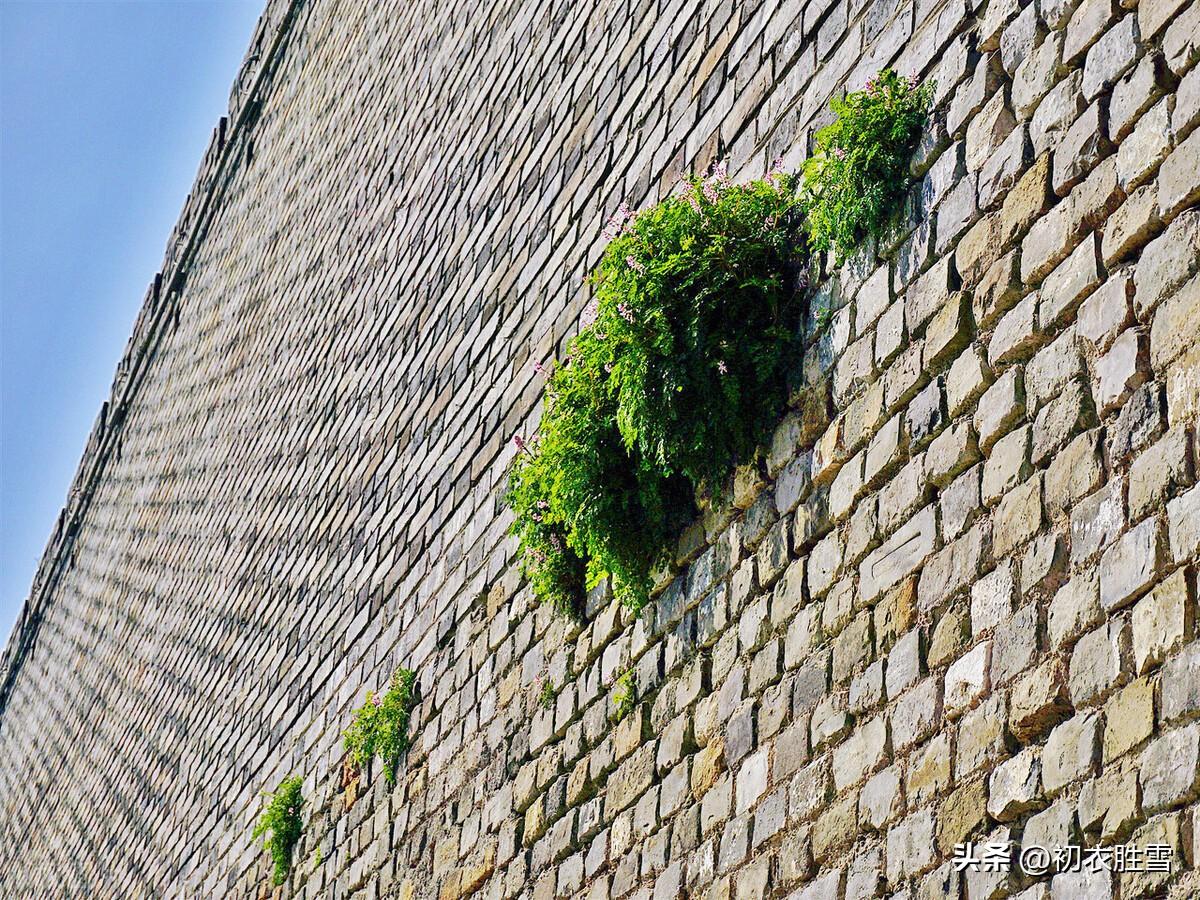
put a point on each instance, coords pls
(871, 85)
(608, 367)
(542, 504)
(519, 442)
(589, 314)
(377, 700)
(693, 202)
(625, 311)
(539, 368)
(839, 152)
(720, 171)
(722, 368)
(710, 192)
(635, 265)
(621, 220)
(912, 82)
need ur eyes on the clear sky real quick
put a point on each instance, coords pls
(105, 111)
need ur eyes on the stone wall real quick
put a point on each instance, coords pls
(957, 604)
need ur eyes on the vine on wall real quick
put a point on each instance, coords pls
(281, 823)
(380, 726)
(678, 372)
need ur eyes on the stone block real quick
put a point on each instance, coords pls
(1160, 472)
(1016, 335)
(1071, 752)
(1163, 621)
(928, 774)
(1171, 769)
(1167, 262)
(1090, 20)
(1141, 420)
(992, 599)
(1109, 57)
(1074, 472)
(1018, 517)
(881, 799)
(1036, 75)
(962, 814)
(1014, 787)
(1097, 520)
(1083, 145)
(966, 381)
(1039, 702)
(1128, 719)
(1132, 226)
(1000, 408)
(1027, 201)
(1002, 169)
(981, 737)
(1007, 465)
(1181, 685)
(1123, 369)
(915, 716)
(1099, 662)
(1074, 609)
(1175, 322)
(1131, 565)
(911, 846)
(1069, 411)
(1183, 520)
(967, 679)
(1057, 111)
(1106, 312)
(1143, 151)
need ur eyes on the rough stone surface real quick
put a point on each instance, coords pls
(954, 598)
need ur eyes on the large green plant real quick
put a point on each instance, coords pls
(859, 169)
(675, 377)
(678, 372)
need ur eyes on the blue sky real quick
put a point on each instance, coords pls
(105, 111)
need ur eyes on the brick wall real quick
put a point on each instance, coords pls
(961, 605)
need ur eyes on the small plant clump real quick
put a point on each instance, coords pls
(547, 694)
(280, 822)
(680, 368)
(859, 169)
(380, 726)
(624, 696)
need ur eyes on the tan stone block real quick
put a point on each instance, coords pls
(979, 248)
(1018, 517)
(999, 288)
(1128, 719)
(1131, 227)
(1163, 621)
(1027, 201)
(1039, 701)
(950, 637)
(1176, 324)
(961, 815)
(928, 773)
(707, 767)
(836, 827)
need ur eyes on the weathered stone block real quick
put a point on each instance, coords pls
(1014, 787)
(1131, 565)
(1072, 752)
(1099, 662)
(1171, 769)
